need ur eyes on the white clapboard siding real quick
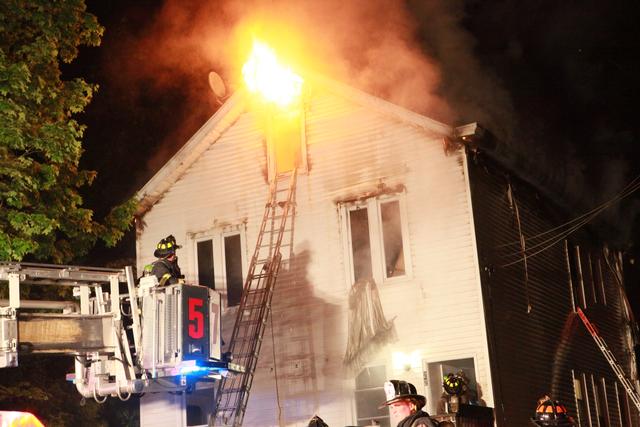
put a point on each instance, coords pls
(351, 150)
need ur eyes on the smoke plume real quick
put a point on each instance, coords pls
(420, 55)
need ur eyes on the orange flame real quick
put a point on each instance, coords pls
(264, 75)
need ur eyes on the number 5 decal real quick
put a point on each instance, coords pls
(196, 329)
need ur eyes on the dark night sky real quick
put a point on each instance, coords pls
(564, 75)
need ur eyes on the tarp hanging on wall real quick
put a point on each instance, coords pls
(368, 328)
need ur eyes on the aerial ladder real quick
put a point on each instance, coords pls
(255, 305)
(617, 369)
(149, 338)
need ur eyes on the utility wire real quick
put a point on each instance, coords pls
(575, 224)
(626, 191)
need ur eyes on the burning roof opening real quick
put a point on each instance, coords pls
(266, 76)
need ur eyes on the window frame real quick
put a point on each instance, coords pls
(217, 237)
(404, 231)
(357, 390)
(376, 238)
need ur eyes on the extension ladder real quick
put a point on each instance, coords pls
(617, 369)
(255, 305)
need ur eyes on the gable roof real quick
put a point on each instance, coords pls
(231, 110)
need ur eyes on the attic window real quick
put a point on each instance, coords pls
(286, 141)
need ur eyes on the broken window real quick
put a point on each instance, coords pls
(392, 239)
(377, 239)
(206, 270)
(369, 394)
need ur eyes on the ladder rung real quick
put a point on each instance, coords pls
(252, 321)
(232, 390)
(248, 338)
(281, 245)
(244, 355)
(251, 307)
(276, 230)
(256, 292)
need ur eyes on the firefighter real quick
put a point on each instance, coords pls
(165, 268)
(551, 413)
(405, 403)
(316, 421)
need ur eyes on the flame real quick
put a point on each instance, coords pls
(264, 75)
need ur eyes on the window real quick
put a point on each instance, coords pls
(392, 238)
(220, 263)
(205, 263)
(286, 143)
(376, 234)
(369, 394)
(360, 244)
(435, 373)
(233, 268)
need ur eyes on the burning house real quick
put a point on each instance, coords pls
(462, 269)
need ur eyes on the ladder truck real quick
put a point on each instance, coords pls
(146, 339)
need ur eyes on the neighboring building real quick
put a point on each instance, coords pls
(431, 216)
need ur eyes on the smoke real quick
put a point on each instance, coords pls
(421, 55)
(372, 45)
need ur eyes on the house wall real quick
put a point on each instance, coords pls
(352, 150)
(538, 344)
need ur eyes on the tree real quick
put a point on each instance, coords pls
(41, 209)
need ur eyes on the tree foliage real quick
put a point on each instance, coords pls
(41, 209)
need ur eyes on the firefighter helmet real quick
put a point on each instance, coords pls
(453, 384)
(551, 413)
(397, 390)
(166, 247)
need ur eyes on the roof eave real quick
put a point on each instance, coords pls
(173, 170)
(231, 110)
(384, 107)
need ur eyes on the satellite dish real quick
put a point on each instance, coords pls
(217, 85)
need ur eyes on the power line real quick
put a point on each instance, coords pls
(626, 191)
(574, 224)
